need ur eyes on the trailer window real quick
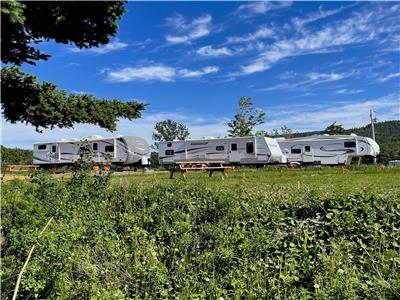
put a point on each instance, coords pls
(109, 148)
(351, 144)
(169, 152)
(95, 146)
(307, 148)
(219, 148)
(41, 147)
(169, 144)
(234, 147)
(53, 148)
(295, 151)
(250, 147)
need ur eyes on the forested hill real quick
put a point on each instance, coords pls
(386, 131)
(16, 156)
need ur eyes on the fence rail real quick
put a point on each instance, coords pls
(16, 170)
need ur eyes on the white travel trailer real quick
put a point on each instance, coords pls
(120, 150)
(327, 149)
(230, 151)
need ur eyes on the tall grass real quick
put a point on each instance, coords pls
(198, 239)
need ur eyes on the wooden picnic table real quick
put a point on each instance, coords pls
(201, 166)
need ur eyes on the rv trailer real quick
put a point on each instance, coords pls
(327, 149)
(230, 151)
(120, 150)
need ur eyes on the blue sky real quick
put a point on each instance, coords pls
(306, 64)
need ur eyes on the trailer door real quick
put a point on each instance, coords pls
(234, 153)
(296, 153)
(54, 156)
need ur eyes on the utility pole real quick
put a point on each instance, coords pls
(371, 114)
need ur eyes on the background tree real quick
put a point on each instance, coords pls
(246, 118)
(43, 105)
(16, 156)
(85, 24)
(335, 129)
(169, 130)
(285, 132)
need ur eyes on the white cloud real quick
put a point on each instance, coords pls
(279, 86)
(188, 32)
(320, 14)
(141, 44)
(287, 75)
(388, 77)
(317, 78)
(348, 92)
(198, 73)
(251, 9)
(82, 92)
(257, 66)
(214, 52)
(261, 33)
(308, 116)
(312, 79)
(359, 28)
(111, 46)
(156, 73)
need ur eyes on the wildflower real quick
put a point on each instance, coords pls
(316, 286)
(341, 271)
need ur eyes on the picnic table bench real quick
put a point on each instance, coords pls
(200, 166)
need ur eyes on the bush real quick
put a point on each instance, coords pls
(193, 242)
(16, 156)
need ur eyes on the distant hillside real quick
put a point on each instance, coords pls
(384, 131)
(16, 156)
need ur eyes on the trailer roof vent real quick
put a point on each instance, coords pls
(92, 137)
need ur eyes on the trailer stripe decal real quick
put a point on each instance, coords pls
(40, 159)
(189, 150)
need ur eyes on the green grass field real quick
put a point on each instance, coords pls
(321, 178)
(314, 233)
